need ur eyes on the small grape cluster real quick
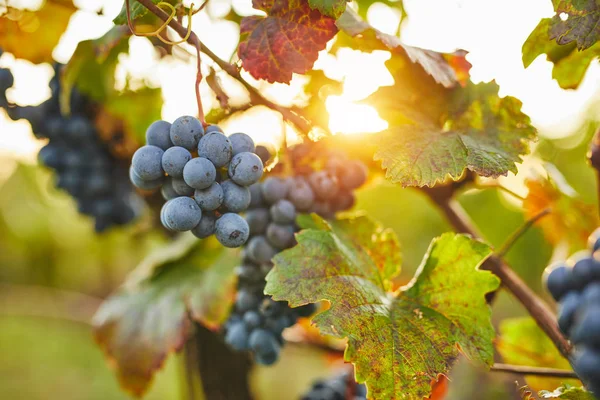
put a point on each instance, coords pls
(575, 284)
(257, 321)
(84, 166)
(203, 175)
(339, 387)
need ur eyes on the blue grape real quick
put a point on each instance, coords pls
(240, 142)
(274, 189)
(301, 194)
(591, 294)
(283, 212)
(159, 134)
(585, 270)
(232, 230)
(594, 240)
(246, 300)
(210, 198)
(354, 175)
(258, 220)
(324, 184)
(199, 173)
(186, 132)
(281, 236)
(236, 198)
(143, 183)
(174, 160)
(98, 183)
(264, 153)
(6, 79)
(245, 168)
(167, 191)
(213, 128)
(265, 345)
(182, 188)
(206, 227)
(559, 280)
(252, 319)
(217, 148)
(80, 129)
(51, 156)
(237, 336)
(587, 328)
(256, 197)
(260, 250)
(147, 164)
(568, 307)
(182, 214)
(587, 364)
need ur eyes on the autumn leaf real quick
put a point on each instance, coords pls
(571, 219)
(32, 35)
(567, 393)
(522, 342)
(581, 24)
(400, 342)
(331, 8)
(148, 318)
(469, 128)
(285, 41)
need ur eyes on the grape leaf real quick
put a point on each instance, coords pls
(285, 41)
(399, 342)
(149, 317)
(570, 64)
(581, 26)
(571, 219)
(567, 393)
(32, 35)
(522, 342)
(331, 8)
(478, 131)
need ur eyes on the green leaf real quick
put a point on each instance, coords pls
(567, 393)
(478, 131)
(399, 342)
(148, 318)
(285, 41)
(32, 35)
(570, 64)
(522, 342)
(137, 11)
(331, 8)
(581, 26)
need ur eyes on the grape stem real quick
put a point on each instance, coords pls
(521, 231)
(292, 116)
(536, 307)
(537, 371)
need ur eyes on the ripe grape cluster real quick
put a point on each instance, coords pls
(339, 387)
(203, 175)
(575, 284)
(83, 164)
(257, 321)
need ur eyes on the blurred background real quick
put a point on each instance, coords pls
(55, 271)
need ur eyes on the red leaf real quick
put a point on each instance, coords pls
(287, 40)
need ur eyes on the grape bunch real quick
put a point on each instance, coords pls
(339, 387)
(203, 175)
(83, 164)
(257, 321)
(575, 285)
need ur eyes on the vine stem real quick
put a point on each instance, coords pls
(521, 231)
(538, 310)
(537, 371)
(292, 116)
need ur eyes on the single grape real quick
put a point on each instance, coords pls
(144, 184)
(587, 364)
(260, 250)
(258, 220)
(246, 300)
(252, 319)
(210, 198)
(245, 168)
(344, 201)
(281, 236)
(186, 132)
(249, 273)
(199, 173)
(237, 336)
(324, 184)
(264, 152)
(146, 162)
(274, 189)
(182, 188)
(206, 227)
(591, 294)
(232, 230)
(167, 191)
(217, 148)
(594, 240)
(568, 307)
(584, 270)
(51, 156)
(240, 142)
(159, 134)
(301, 194)
(264, 343)
(256, 197)
(97, 183)
(174, 160)
(213, 128)
(236, 198)
(587, 328)
(559, 280)
(182, 214)
(283, 212)
(354, 175)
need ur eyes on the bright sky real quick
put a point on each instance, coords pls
(492, 31)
